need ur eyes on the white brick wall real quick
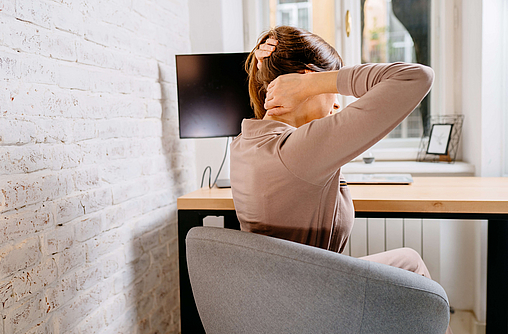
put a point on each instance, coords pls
(90, 165)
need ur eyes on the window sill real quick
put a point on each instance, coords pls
(414, 168)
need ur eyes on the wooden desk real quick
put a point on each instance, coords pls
(427, 197)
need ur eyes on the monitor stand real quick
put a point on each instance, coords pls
(223, 183)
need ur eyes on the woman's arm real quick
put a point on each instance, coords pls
(289, 90)
(387, 94)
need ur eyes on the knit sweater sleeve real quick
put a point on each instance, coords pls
(387, 94)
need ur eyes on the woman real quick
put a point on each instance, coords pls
(285, 165)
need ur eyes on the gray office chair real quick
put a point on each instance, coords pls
(249, 283)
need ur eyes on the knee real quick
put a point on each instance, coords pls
(411, 254)
(412, 258)
(415, 261)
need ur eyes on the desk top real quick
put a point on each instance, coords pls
(426, 194)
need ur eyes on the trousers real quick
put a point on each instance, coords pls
(404, 258)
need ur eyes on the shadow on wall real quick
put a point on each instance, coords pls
(179, 156)
(155, 250)
(156, 291)
(151, 278)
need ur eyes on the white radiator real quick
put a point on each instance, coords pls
(374, 235)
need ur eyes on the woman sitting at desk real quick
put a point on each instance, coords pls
(285, 165)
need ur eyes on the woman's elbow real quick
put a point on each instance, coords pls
(425, 76)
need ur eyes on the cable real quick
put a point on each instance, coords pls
(210, 185)
(222, 164)
(209, 176)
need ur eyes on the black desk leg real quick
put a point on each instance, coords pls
(231, 221)
(497, 277)
(190, 321)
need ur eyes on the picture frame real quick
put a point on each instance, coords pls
(439, 139)
(457, 120)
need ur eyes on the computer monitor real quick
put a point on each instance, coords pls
(213, 94)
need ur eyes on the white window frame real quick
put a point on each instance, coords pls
(256, 19)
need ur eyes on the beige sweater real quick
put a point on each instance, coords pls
(286, 181)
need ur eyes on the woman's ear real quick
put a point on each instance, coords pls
(307, 70)
(311, 68)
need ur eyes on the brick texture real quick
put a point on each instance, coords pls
(90, 165)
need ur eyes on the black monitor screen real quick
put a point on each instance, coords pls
(213, 94)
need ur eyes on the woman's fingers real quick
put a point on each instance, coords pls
(269, 94)
(260, 54)
(270, 42)
(276, 106)
(265, 50)
(267, 47)
(277, 111)
(285, 93)
(270, 101)
(270, 106)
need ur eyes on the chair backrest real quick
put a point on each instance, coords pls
(248, 283)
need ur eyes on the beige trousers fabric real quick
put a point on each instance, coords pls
(404, 258)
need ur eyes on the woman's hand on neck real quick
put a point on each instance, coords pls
(315, 107)
(295, 118)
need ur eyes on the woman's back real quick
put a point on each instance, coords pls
(274, 200)
(286, 180)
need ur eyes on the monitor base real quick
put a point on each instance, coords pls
(223, 183)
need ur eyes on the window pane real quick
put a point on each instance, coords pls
(303, 18)
(285, 18)
(398, 30)
(293, 13)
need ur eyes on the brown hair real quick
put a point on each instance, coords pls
(297, 50)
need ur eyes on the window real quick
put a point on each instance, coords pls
(390, 30)
(317, 16)
(296, 13)
(381, 31)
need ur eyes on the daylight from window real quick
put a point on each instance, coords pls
(296, 13)
(392, 31)
(385, 39)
